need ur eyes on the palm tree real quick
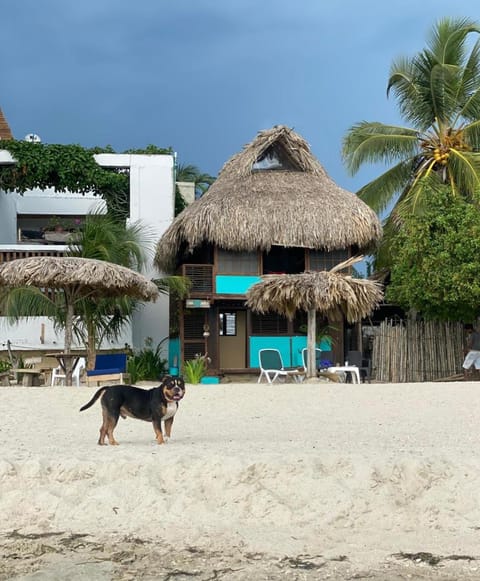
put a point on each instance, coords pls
(438, 94)
(102, 237)
(191, 173)
(105, 238)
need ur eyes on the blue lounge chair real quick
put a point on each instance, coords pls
(108, 367)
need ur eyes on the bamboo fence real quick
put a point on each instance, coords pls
(408, 351)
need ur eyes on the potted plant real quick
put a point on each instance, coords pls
(59, 228)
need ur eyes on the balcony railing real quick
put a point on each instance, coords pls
(8, 253)
(201, 279)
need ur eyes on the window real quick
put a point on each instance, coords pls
(269, 324)
(227, 324)
(284, 260)
(274, 157)
(321, 260)
(229, 262)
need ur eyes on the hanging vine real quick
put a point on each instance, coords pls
(68, 168)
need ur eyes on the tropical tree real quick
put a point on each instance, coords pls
(191, 173)
(438, 94)
(102, 237)
(437, 262)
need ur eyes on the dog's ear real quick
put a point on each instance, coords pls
(167, 381)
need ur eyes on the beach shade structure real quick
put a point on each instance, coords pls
(76, 278)
(272, 193)
(332, 293)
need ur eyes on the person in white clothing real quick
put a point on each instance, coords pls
(472, 358)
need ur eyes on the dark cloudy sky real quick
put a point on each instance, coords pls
(204, 76)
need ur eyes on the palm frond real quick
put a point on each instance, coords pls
(380, 191)
(415, 199)
(372, 142)
(446, 41)
(26, 302)
(472, 134)
(465, 170)
(178, 285)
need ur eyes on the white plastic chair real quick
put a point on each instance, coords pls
(318, 356)
(271, 365)
(58, 372)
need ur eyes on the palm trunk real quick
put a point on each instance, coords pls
(91, 345)
(311, 336)
(68, 339)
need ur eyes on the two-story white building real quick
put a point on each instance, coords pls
(23, 217)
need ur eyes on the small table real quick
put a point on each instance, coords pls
(63, 358)
(29, 376)
(352, 369)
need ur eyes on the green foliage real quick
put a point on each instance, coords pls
(67, 224)
(63, 167)
(322, 333)
(436, 260)
(73, 168)
(148, 363)
(5, 365)
(191, 173)
(195, 369)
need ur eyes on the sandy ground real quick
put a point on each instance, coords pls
(291, 481)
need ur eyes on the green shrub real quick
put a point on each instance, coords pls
(148, 363)
(194, 369)
(5, 365)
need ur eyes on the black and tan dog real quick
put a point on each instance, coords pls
(152, 405)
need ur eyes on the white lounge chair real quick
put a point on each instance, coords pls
(271, 366)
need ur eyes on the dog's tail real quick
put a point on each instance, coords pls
(98, 393)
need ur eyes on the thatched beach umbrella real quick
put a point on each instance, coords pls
(249, 208)
(77, 278)
(330, 292)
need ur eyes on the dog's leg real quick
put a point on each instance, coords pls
(103, 428)
(109, 422)
(168, 428)
(111, 426)
(157, 426)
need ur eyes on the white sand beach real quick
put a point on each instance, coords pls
(291, 481)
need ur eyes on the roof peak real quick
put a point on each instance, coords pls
(293, 150)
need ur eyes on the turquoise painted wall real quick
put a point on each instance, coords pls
(234, 285)
(290, 348)
(283, 344)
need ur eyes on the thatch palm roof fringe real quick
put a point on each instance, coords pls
(330, 292)
(87, 276)
(249, 210)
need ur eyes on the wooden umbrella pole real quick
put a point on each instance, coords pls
(68, 337)
(311, 338)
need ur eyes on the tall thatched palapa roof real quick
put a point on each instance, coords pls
(256, 203)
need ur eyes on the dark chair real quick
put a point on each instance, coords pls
(364, 365)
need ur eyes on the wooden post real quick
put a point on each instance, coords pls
(311, 338)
